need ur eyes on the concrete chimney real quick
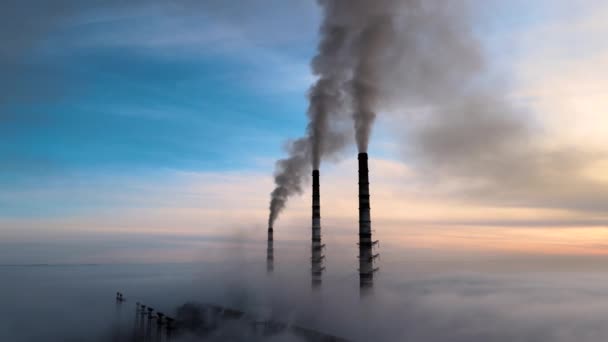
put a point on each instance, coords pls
(270, 252)
(270, 257)
(365, 224)
(316, 207)
(317, 248)
(317, 257)
(366, 266)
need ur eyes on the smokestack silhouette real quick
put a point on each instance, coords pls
(270, 251)
(316, 206)
(365, 224)
(366, 256)
(316, 248)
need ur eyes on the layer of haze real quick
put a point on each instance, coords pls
(418, 294)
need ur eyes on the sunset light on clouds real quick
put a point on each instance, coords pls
(304, 170)
(99, 175)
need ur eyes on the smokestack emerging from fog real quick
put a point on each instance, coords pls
(365, 224)
(317, 248)
(366, 256)
(270, 251)
(316, 206)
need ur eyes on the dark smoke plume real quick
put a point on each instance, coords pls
(370, 28)
(326, 96)
(354, 36)
(326, 134)
(289, 176)
(372, 43)
(415, 57)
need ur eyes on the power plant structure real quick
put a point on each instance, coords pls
(317, 256)
(203, 322)
(367, 256)
(270, 251)
(366, 244)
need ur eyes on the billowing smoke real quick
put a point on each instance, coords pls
(369, 33)
(326, 134)
(327, 98)
(362, 43)
(457, 120)
(353, 36)
(419, 64)
(289, 177)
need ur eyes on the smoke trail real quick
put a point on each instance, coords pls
(354, 36)
(364, 91)
(326, 96)
(369, 34)
(325, 134)
(289, 176)
(370, 43)
(423, 59)
(384, 55)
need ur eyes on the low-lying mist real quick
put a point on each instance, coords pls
(418, 295)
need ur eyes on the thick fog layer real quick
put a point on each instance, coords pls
(418, 295)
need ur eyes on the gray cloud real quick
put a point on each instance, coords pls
(383, 55)
(325, 135)
(429, 73)
(485, 142)
(289, 177)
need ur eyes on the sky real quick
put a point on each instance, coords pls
(155, 119)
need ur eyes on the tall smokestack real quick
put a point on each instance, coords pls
(316, 207)
(270, 251)
(365, 225)
(366, 256)
(317, 248)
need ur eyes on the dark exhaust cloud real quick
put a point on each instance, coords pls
(354, 36)
(371, 53)
(457, 121)
(369, 28)
(289, 176)
(422, 65)
(326, 134)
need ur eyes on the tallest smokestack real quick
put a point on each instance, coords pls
(316, 206)
(270, 251)
(317, 248)
(365, 225)
(366, 244)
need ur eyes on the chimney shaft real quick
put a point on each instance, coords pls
(317, 248)
(365, 226)
(270, 251)
(366, 266)
(316, 207)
